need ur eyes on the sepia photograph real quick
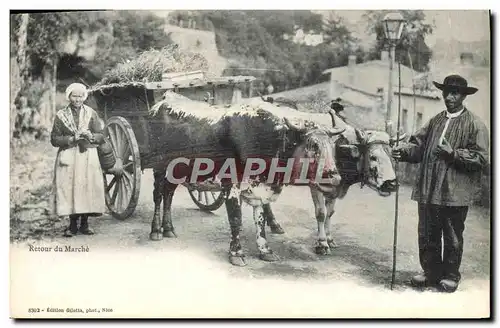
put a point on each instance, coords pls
(249, 164)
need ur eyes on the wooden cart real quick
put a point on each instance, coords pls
(124, 108)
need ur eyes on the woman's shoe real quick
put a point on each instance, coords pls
(84, 226)
(72, 229)
(86, 231)
(69, 232)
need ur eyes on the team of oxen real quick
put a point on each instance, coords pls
(341, 154)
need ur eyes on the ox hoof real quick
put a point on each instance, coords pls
(322, 250)
(237, 260)
(331, 243)
(169, 234)
(269, 257)
(278, 230)
(156, 236)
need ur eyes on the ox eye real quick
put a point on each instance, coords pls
(373, 158)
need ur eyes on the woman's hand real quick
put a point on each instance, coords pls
(98, 138)
(86, 134)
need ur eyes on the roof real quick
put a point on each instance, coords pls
(373, 75)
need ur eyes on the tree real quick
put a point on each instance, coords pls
(19, 31)
(413, 40)
(47, 34)
(125, 35)
(337, 34)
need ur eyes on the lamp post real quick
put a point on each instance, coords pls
(393, 25)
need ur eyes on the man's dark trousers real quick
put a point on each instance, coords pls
(436, 221)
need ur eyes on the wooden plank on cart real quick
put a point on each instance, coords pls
(197, 82)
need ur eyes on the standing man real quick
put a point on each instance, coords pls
(452, 149)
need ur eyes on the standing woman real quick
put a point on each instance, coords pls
(78, 179)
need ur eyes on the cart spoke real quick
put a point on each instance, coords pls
(121, 141)
(108, 188)
(124, 194)
(206, 198)
(115, 193)
(200, 196)
(128, 166)
(112, 136)
(118, 141)
(119, 198)
(126, 153)
(128, 181)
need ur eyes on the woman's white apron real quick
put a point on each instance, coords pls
(78, 179)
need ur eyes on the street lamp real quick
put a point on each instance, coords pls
(393, 24)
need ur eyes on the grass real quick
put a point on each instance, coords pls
(151, 64)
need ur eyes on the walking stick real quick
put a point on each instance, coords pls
(395, 242)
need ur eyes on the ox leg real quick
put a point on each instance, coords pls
(265, 253)
(159, 176)
(271, 220)
(330, 210)
(168, 195)
(321, 247)
(233, 208)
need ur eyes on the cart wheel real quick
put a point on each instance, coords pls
(122, 188)
(207, 201)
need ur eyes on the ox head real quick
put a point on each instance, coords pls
(372, 153)
(314, 149)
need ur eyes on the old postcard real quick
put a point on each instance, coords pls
(250, 164)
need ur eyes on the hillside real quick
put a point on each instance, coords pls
(199, 41)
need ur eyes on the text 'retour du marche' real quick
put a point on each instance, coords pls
(66, 248)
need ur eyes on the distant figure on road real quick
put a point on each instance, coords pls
(270, 89)
(452, 149)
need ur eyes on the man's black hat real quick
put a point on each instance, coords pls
(455, 82)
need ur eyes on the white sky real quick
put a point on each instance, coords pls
(462, 25)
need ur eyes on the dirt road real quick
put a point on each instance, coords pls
(352, 281)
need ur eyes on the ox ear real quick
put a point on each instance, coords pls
(350, 150)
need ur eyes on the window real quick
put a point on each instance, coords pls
(419, 121)
(405, 120)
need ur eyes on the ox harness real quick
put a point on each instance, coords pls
(349, 169)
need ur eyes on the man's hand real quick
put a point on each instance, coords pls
(444, 149)
(397, 152)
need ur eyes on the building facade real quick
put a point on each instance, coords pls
(366, 85)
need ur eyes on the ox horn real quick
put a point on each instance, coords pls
(294, 126)
(360, 135)
(332, 114)
(394, 139)
(335, 131)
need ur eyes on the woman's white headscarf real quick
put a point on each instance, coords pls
(77, 87)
